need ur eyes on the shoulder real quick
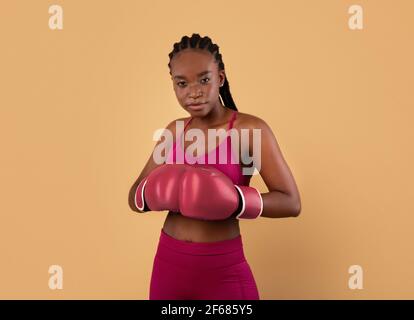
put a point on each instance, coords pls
(174, 123)
(249, 121)
(256, 124)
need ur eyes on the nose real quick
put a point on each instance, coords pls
(195, 92)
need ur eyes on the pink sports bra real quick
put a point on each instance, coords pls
(230, 168)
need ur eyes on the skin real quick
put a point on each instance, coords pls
(282, 199)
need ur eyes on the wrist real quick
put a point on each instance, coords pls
(250, 203)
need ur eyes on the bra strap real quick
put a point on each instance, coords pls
(189, 120)
(232, 120)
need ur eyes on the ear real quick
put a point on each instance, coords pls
(222, 77)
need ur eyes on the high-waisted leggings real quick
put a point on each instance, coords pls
(184, 270)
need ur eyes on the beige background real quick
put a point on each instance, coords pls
(79, 107)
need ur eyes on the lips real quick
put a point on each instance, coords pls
(196, 106)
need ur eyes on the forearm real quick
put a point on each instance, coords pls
(279, 205)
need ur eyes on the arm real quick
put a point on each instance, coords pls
(283, 199)
(206, 203)
(149, 167)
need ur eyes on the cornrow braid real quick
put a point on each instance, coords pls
(205, 43)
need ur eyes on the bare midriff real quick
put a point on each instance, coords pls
(193, 230)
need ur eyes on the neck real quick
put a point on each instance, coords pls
(216, 115)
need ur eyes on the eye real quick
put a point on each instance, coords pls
(181, 83)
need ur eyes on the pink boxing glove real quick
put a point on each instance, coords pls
(208, 194)
(160, 189)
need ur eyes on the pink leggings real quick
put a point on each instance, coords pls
(186, 270)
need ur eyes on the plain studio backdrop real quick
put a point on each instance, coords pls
(79, 106)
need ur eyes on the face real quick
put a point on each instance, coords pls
(196, 81)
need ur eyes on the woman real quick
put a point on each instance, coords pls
(199, 258)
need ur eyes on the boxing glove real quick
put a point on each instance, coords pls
(199, 192)
(208, 194)
(160, 189)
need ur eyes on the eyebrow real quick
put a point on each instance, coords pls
(200, 74)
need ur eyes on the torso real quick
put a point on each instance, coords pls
(193, 230)
(187, 229)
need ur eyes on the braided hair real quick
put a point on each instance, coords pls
(205, 43)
